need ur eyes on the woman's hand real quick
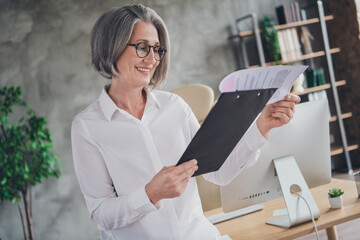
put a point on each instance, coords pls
(171, 181)
(277, 114)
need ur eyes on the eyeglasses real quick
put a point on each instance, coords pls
(143, 49)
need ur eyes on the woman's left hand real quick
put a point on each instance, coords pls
(277, 114)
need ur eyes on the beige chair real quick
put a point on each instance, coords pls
(201, 99)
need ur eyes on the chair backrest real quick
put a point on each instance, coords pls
(199, 97)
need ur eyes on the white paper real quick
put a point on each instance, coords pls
(281, 77)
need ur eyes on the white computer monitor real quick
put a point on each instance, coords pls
(306, 138)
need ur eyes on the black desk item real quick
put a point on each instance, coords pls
(223, 128)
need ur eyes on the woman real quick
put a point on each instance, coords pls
(125, 144)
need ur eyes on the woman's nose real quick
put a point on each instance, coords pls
(151, 56)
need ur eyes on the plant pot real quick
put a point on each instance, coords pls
(335, 202)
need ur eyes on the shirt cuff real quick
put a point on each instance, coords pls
(254, 139)
(140, 201)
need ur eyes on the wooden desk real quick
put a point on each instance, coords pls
(253, 226)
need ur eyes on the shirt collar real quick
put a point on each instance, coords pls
(109, 107)
(151, 99)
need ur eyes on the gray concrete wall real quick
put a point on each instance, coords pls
(44, 47)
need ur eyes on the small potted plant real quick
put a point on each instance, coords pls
(335, 198)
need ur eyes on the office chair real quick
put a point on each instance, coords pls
(199, 97)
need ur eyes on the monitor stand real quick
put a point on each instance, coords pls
(291, 178)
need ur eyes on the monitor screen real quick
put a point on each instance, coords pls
(306, 137)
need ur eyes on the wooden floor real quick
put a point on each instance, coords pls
(346, 231)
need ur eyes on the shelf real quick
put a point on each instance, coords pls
(302, 58)
(339, 150)
(285, 26)
(302, 23)
(319, 88)
(343, 116)
(307, 56)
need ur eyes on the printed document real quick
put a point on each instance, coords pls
(281, 77)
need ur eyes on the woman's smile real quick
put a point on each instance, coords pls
(143, 70)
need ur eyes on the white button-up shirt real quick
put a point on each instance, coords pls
(116, 155)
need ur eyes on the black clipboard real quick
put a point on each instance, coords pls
(223, 128)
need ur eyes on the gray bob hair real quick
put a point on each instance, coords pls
(111, 33)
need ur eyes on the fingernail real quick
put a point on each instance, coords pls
(289, 97)
(195, 161)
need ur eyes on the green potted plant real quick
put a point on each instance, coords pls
(335, 197)
(271, 40)
(26, 156)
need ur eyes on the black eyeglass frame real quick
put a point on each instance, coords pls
(136, 45)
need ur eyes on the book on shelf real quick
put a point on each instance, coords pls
(295, 40)
(280, 13)
(293, 12)
(290, 41)
(297, 11)
(283, 49)
(315, 77)
(290, 48)
(288, 13)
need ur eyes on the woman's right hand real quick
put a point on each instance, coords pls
(171, 181)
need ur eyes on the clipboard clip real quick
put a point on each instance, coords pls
(238, 95)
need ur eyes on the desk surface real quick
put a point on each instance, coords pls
(253, 226)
